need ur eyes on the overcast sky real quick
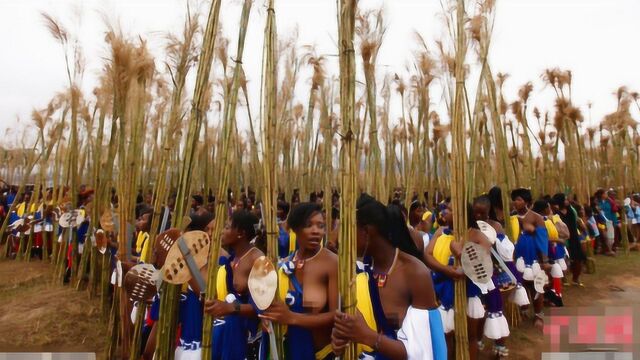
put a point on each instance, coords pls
(596, 39)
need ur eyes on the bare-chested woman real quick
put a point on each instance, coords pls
(397, 314)
(308, 288)
(532, 245)
(236, 332)
(440, 256)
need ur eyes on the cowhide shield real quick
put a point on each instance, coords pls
(164, 242)
(175, 269)
(263, 282)
(106, 221)
(101, 241)
(140, 282)
(71, 219)
(476, 263)
(488, 231)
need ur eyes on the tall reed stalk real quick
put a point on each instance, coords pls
(348, 164)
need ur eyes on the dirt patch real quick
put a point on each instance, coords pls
(38, 316)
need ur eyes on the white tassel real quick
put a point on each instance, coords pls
(519, 297)
(496, 327)
(134, 312)
(562, 263)
(556, 271)
(475, 310)
(527, 274)
(448, 319)
(536, 268)
(520, 266)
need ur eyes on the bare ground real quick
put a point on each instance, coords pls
(39, 316)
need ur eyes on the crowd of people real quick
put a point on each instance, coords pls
(408, 264)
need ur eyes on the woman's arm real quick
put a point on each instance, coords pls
(353, 328)
(434, 265)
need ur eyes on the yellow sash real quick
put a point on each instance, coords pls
(551, 229)
(364, 306)
(221, 283)
(442, 249)
(515, 228)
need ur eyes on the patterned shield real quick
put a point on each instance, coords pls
(488, 231)
(476, 263)
(176, 269)
(263, 282)
(101, 241)
(140, 282)
(71, 219)
(106, 221)
(163, 244)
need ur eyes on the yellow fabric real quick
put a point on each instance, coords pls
(442, 249)
(515, 228)
(142, 245)
(141, 240)
(20, 209)
(283, 289)
(364, 306)
(221, 284)
(552, 230)
(292, 241)
(427, 214)
(324, 352)
(283, 284)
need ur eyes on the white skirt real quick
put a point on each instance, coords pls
(475, 309)
(556, 271)
(562, 263)
(496, 326)
(519, 297)
(448, 319)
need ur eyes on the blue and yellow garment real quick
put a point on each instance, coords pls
(369, 304)
(190, 318)
(141, 246)
(234, 336)
(559, 249)
(529, 246)
(298, 343)
(442, 284)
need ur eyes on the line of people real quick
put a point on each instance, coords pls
(408, 265)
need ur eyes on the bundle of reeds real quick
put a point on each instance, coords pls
(459, 198)
(228, 127)
(348, 163)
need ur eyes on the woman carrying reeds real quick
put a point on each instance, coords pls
(236, 332)
(308, 285)
(532, 245)
(496, 326)
(397, 314)
(440, 256)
